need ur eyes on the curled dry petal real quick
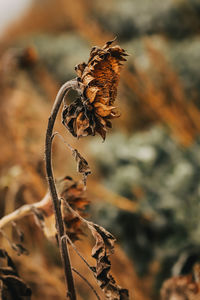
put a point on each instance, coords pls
(99, 80)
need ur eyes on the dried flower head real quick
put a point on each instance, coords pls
(99, 79)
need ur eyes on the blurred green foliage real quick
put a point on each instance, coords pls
(167, 176)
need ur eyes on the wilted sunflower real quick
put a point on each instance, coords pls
(99, 78)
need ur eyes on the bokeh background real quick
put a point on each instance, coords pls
(144, 186)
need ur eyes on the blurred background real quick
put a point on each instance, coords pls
(144, 186)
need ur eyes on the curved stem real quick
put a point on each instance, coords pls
(23, 211)
(85, 279)
(72, 84)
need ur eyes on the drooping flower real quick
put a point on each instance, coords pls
(99, 79)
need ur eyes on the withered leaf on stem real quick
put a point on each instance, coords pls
(12, 287)
(99, 80)
(103, 248)
(73, 194)
(69, 191)
(82, 165)
(182, 287)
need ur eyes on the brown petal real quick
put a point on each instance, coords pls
(82, 123)
(80, 68)
(109, 43)
(87, 79)
(103, 110)
(91, 92)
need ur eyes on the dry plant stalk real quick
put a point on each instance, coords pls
(96, 85)
(68, 189)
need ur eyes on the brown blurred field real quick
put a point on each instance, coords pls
(35, 54)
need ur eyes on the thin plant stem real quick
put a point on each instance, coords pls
(23, 211)
(77, 252)
(72, 84)
(88, 283)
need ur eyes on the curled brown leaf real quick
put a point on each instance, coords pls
(182, 287)
(12, 287)
(71, 192)
(103, 248)
(82, 164)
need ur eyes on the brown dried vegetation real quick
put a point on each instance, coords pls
(182, 287)
(99, 80)
(20, 121)
(11, 285)
(71, 193)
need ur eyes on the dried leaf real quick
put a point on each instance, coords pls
(182, 287)
(71, 192)
(12, 287)
(99, 80)
(82, 165)
(103, 248)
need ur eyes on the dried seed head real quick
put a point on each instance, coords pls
(99, 79)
